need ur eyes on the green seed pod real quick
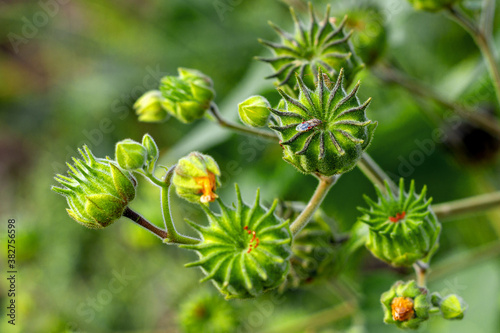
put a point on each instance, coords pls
(326, 130)
(130, 155)
(406, 305)
(149, 109)
(403, 228)
(97, 190)
(431, 5)
(243, 251)
(196, 178)
(369, 33)
(188, 95)
(451, 306)
(317, 45)
(313, 251)
(254, 111)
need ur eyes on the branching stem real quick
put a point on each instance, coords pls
(483, 42)
(390, 74)
(240, 128)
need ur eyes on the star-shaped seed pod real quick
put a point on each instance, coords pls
(403, 227)
(313, 46)
(406, 305)
(324, 131)
(244, 251)
(97, 190)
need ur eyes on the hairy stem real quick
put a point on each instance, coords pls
(468, 205)
(325, 183)
(173, 235)
(421, 271)
(390, 74)
(240, 128)
(483, 42)
(375, 173)
(130, 214)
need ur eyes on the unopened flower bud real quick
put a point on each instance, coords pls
(196, 178)
(97, 191)
(130, 154)
(254, 111)
(406, 305)
(451, 306)
(149, 107)
(188, 95)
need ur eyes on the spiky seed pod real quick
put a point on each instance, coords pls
(97, 191)
(196, 178)
(187, 96)
(406, 305)
(324, 131)
(431, 5)
(244, 251)
(369, 33)
(403, 227)
(208, 313)
(313, 46)
(313, 252)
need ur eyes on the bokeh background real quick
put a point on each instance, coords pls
(69, 73)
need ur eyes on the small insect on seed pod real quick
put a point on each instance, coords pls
(406, 305)
(324, 131)
(244, 251)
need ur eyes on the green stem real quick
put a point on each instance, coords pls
(390, 74)
(317, 320)
(482, 41)
(463, 261)
(130, 214)
(468, 205)
(173, 235)
(375, 173)
(325, 183)
(150, 177)
(240, 128)
(421, 271)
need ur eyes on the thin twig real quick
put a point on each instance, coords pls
(469, 205)
(135, 217)
(390, 74)
(239, 128)
(483, 42)
(375, 173)
(421, 271)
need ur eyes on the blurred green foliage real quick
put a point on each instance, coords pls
(73, 80)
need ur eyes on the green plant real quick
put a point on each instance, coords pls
(324, 131)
